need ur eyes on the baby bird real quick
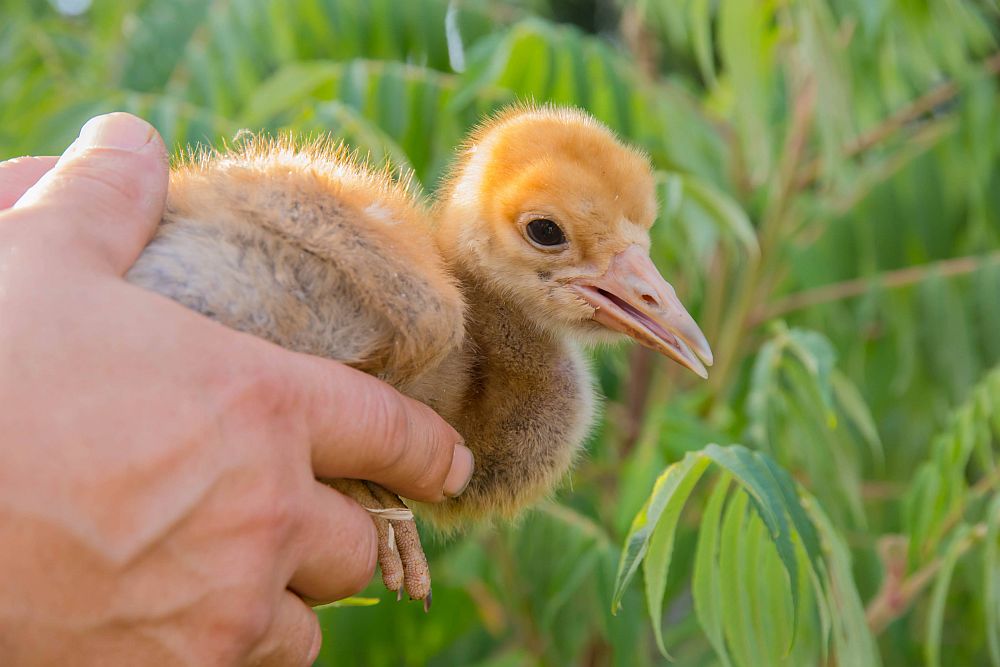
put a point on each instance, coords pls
(537, 244)
(545, 222)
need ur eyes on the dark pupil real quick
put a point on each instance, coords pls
(545, 232)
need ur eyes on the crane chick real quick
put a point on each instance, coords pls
(545, 221)
(538, 244)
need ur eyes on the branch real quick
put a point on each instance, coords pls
(889, 279)
(755, 286)
(908, 114)
(897, 593)
(975, 492)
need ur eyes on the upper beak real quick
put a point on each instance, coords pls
(633, 298)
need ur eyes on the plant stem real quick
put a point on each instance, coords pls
(898, 592)
(889, 279)
(759, 278)
(902, 117)
(898, 595)
(978, 490)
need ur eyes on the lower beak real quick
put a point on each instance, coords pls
(633, 298)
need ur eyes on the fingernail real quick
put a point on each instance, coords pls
(462, 465)
(115, 130)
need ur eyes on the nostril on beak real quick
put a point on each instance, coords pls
(651, 300)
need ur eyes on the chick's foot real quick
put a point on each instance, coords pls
(400, 555)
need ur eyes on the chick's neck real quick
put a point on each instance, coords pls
(506, 344)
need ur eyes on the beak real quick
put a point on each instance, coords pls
(633, 298)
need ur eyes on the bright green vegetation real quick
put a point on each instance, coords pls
(830, 213)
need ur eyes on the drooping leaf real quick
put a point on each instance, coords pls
(939, 593)
(706, 580)
(671, 482)
(750, 470)
(843, 615)
(734, 575)
(991, 580)
(656, 564)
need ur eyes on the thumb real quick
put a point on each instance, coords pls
(104, 198)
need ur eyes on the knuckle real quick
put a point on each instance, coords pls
(281, 514)
(269, 513)
(276, 507)
(256, 393)
(251, 623)
(241, 619)
(263, 388)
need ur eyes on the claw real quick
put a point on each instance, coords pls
(428, 600)
(416, 573)
(400, 554)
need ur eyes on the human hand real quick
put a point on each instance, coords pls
(158, 501)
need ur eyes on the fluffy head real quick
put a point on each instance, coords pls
(545, 164)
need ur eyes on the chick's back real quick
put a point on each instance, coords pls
(312, 250)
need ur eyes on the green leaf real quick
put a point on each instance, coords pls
(753, 473)
(700, 21)
(734, 578)
(730, 216)
(773, 615)
(817, 356)
(348, 602)
(772, 494)
(850, 403)
(285, 89)
(939, 594)
(656, 565)
(747, 40)
(667, 485)
(842, 613)
(991, 580)
(762, 380)
(800, 519)
(706, 587)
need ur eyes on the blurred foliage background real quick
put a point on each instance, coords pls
(830, 199)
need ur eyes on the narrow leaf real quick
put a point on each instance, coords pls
(637, 540)
(991, 580)
(706, 586)
(939, 594)
(656, 565)
(754, 475)
(737, 615)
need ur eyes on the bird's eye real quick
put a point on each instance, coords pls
(544, 232)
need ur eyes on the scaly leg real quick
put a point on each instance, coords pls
(400, 556)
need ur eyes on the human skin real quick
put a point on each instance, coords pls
(158, 493)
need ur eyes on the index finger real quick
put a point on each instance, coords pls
(19, 174)
(361, 428)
